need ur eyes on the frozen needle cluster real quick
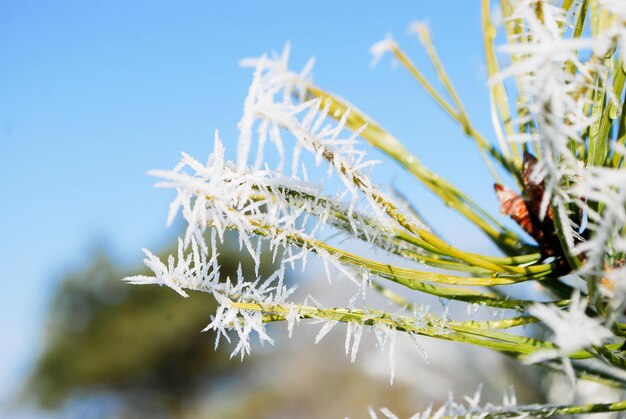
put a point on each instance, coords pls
(558, 113)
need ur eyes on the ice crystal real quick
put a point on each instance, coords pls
(572, 328)
(554, 74)
(563, 83)
(380, 48)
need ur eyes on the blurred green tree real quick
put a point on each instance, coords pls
(106, 337)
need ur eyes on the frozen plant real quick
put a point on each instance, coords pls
(558, 113)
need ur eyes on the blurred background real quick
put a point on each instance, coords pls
(94, 94)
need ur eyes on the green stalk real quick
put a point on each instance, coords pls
(587, 373)
(474, 325)
(574, 261)
(452, 196)
(598, 145)
(503, 263)
(396, 214)
(458, 115)
(499, 324)
(547, 411)
(435, 256)
(497, 92)
(514, 31)
(611, 111)
(405, 276)
(458, 294)
(399, 323)
(503, 342)
(618, 159)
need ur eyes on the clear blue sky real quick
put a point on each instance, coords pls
(94, 94)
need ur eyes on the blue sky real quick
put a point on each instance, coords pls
(94, 94)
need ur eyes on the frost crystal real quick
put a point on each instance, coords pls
(572, 201)
(573, 329)
(554, 74)
(380, 48)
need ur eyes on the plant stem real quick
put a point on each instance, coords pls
(450, 195)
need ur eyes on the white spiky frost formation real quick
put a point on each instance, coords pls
(573, 330)
(287, 211)
(552, 74)
(381, 48)
(291, 209)
(472, 407)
